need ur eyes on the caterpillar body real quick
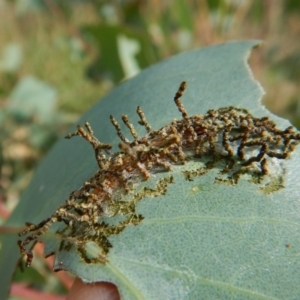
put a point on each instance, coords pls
(245, 143)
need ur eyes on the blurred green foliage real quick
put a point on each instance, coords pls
(57, 58)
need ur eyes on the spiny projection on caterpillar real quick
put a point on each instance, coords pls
(245, 144)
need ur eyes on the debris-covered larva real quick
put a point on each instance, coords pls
(245, 143)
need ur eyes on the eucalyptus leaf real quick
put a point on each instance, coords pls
(201, 239)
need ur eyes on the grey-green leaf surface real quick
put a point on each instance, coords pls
(201, 240)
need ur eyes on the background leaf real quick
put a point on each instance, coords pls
(107, 41)
(11, 58)
(201, 240)
(32, 98)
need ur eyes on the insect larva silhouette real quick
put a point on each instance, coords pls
(243, 143)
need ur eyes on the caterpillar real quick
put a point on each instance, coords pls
(245, 143)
